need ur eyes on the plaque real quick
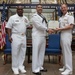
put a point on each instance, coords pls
(53, 24)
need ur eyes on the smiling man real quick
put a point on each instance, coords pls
(66, 22)
(38, 40)
(16, 29)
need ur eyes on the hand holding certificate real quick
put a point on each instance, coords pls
(53, 24)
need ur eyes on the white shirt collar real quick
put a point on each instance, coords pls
(65, 14)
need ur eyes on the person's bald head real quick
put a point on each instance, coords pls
(20, 10)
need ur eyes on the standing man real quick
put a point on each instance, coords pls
(16, 29)
(38, 40)
(66, 24)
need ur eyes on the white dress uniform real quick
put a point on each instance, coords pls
(66, 39)
(18, 26)
(38, 42)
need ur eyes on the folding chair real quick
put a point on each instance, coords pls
(7, 49)
(53, 46)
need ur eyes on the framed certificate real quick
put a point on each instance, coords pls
(53, 24)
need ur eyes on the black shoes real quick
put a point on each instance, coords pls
(43, 70)
(37, 73)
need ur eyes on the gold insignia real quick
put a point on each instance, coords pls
(65, 19)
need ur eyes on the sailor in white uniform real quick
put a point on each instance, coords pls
(38, 40)
(66, 25)
(16, 29)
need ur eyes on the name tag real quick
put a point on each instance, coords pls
(16, 20)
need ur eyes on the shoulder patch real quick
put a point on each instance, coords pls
(34, 15)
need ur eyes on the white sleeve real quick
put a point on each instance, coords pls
(9, 23)
(27, 22)
(37, 24)
(71, 20)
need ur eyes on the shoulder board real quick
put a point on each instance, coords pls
(69, 14)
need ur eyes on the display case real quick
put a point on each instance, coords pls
(48, 13)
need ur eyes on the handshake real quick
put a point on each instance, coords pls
(50, 31)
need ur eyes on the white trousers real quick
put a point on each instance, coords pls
(38, 53)
(18, 51)
(66, 40)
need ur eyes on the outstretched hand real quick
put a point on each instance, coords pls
(57, 29)
(50, 31)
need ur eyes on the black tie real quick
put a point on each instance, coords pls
(44, 19)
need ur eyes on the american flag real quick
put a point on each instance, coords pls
(59, 11)
(2, 37)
